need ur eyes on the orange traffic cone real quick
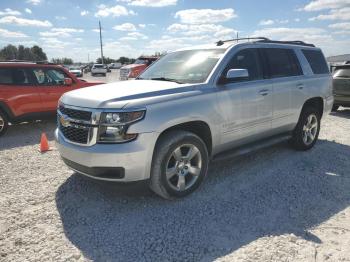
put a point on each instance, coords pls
(44, 143)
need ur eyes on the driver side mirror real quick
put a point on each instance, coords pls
(68, 81)
(234, 75)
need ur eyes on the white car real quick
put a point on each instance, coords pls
(76, 71)
(99, 69)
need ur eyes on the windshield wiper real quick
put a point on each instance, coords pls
(166, 79)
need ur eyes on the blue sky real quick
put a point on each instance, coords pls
(134, 27)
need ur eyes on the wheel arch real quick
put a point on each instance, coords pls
(198, 127)
(316, 102)
(4, 108)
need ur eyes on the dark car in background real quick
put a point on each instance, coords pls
(341, 86)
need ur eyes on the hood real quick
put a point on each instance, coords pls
(75, 71)
(117, 95)
(133, 66)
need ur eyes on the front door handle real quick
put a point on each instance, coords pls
(300, 86)
(264, 92)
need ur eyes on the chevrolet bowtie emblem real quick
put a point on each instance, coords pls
(64, 121)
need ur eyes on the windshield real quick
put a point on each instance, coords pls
(140, 62)
(74, 68)
(342, 73)
(98, 66)
(190, 66)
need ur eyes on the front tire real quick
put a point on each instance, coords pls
(180, 164)
(3, 123)
(306, 132)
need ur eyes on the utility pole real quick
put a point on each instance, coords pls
(88, 58)
(99, 23)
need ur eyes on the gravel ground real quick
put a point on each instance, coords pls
(274, 205)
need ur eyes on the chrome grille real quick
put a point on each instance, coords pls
(75, 114)
(75, 125)
(124, 73)
(76, 135)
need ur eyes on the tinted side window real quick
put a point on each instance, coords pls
(49, 76)
(20, 76)
(5, 76)
(282, 62)
(317, 61)
(247, 59)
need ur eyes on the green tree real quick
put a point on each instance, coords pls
(62, 61)
(9, 52)
(38, 53)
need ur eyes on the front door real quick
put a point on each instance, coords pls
(246, 104)
(51, 84)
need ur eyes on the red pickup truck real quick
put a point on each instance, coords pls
(29, 91)
(135, 69)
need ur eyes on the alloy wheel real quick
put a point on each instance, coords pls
(310, 129)
(183, 167)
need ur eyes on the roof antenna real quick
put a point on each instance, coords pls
(237, 36)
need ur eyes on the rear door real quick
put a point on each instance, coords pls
(19, 91)
(51, 85)
(287, 79)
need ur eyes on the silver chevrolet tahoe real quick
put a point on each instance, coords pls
(192, 106)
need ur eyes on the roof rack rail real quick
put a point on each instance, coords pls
(221, 42)
(265, 40)
(297, 42)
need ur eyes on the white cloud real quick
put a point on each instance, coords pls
(24, 22)
(128, 38)
(125, 27)
(84, 12)
(335, 14)
(266, 22)
(318, 5)
(195, 30)
(57, 17)
(33, 2)
(9, 11)
(150, 3)
(318, 36)
(27, 10)
(340, 26)
(9, 34)
(67, 30)
(60, 32)
(204, 16)
(284, 33)
(142, 25)
(137, 35)
(115, 11)
(297, 19)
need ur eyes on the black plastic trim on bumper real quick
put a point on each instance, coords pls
(98, 172)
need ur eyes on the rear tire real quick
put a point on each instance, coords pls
(335, 108)
(306, 132)
(3, 123)
(180, 164)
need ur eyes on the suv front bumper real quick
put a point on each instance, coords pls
(125, 162)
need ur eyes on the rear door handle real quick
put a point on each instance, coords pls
(300, 86)
(264, 92)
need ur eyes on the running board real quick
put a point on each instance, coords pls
(246, 149)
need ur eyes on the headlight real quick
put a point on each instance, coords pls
(114, 125)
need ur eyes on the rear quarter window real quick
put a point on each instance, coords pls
(317, 61)
(5, 76)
